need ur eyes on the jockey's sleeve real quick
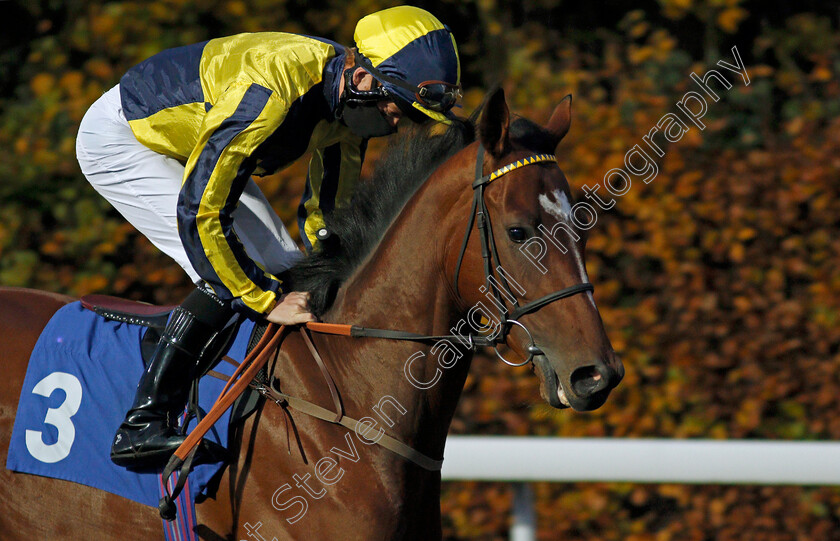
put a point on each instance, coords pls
(214, 179)
(332, 177)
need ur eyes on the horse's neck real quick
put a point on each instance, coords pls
(402, 286)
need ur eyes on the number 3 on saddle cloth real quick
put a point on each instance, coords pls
(79, 383)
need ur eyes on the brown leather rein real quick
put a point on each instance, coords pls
(245, 376)
(338, 417)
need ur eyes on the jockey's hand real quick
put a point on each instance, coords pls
(292, 309)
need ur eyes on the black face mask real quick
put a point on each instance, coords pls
(358, 110)
(367, 121)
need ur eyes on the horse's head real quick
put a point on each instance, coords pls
(532, 249)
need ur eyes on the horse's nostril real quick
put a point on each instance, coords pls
(587, 380)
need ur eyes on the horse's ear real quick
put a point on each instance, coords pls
(561, 119)
(494, 125)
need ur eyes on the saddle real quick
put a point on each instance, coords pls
(127, 311)
(154, 318)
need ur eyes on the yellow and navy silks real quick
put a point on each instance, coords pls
(253, 104)
(412, 45)
(236, 106)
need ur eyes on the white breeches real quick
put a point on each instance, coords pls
(144, 186)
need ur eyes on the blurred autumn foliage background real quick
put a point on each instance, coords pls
(717, 282)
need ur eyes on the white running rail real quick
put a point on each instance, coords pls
(727, 462)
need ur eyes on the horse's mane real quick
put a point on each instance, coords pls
(357, 229)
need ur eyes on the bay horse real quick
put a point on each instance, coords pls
(395, 269)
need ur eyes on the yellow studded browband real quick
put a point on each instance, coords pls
(536, 158)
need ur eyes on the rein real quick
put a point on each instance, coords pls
(338, 417)
(246, 372)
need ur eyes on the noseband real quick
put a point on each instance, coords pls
(494, 280)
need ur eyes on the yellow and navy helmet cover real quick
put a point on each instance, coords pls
(410, 44)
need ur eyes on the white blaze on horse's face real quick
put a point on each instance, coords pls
(557, 204)
(560, 207)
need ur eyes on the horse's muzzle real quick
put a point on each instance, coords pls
(586, 388)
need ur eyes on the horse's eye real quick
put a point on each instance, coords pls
(517, 234)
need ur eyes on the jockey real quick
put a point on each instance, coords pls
(173, 147)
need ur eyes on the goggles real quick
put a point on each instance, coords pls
(362, 97)
(438, 96)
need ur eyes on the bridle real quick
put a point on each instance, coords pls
(495, 280)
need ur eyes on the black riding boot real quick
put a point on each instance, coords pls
(147, 437)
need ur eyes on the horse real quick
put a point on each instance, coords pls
(400, 260)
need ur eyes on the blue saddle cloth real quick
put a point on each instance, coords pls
(80, 382)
